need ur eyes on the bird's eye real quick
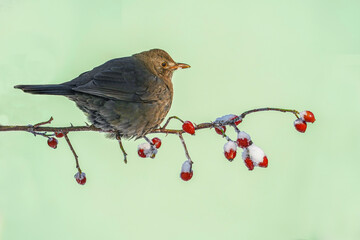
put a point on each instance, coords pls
(164, 64)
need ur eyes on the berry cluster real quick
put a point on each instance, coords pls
(52, 141)
(252, 155)
(149, 149)
(300, 123)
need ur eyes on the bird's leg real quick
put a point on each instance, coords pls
(153, 148)
(169, 119)
(121, 147)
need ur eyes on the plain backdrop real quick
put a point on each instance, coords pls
(303, 55)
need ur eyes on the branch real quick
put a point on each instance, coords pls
(37, 127)
(149, 149)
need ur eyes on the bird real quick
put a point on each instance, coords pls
(129, 96)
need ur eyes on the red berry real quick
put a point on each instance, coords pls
(81, 179)
(230, 155)
(141, 153)
(249, 164)
(243, 142)
(156, 141)
(307, 116)
(300, 125)
(230, 150)
(59, 134)
(218, 130)
(243, 139)
(52, 142)
(186, 176)
(264, 163)
(188, 127)
(186, 171)
(237, 122)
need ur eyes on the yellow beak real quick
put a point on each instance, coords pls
(180, 66)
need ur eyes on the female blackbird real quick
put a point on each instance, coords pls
(129, 95)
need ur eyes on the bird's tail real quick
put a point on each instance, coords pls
(50, 89)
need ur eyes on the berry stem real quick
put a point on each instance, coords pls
(237, 130)
(185, 148)
(73, 151)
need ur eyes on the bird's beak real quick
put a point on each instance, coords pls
(179, 66)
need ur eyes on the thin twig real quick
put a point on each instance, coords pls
(269, 109)
(168, 121)
(43, 123)
(185, 148)
(73, 151)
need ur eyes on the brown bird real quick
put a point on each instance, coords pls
(129, 95)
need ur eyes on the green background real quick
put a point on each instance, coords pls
(244, 55)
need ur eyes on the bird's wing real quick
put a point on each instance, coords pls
(122, 79)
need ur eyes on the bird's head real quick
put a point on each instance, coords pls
(160, 63)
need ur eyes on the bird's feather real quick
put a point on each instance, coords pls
(119, 79)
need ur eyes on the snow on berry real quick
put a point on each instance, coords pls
(145, 150)
(257, 155)
(230, 150)
(307, 116)
(227, 118)
(156, 141)
(52, 142)
(80, 178)
(188, 127)
(59, 134)
(300, 125)
(220, 130)
(243, 139)
(186, 171)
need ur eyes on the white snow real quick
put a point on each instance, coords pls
(243, 135)
(77, 175)
(225, 118)
(148, 151)
(186, 166)
(256, 154)
(145, 146)
(245, 154)
(302, 114)
(298, 121)
(230, 145)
